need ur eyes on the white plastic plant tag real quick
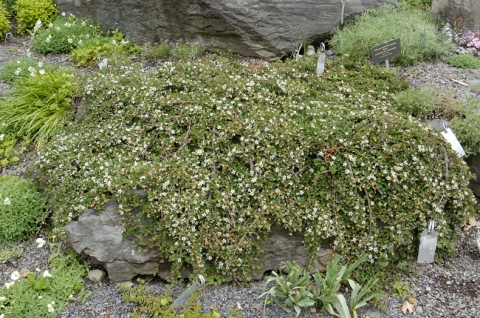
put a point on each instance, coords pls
(428, 245)
(103, 63)
(199, 283)
(321, 60)
(452, 139)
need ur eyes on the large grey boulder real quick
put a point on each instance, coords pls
(266, 29)
(471, 6)
(100, 236)
(473, 162)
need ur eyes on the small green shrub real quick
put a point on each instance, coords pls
(297, 291)
(293, 290)
(464, 61)
(8, 154)
(8, 252)
(156, 50)
(402, 290)
(387, 22)
(29, 12)
(419, 4)
(416, 101)
(90, 51)
(65, 34)
(45, 294)
(21, 207)
(467, 126)
(186, 50)
(160, 306)
(38, 105)
(22, 68)
(4, 21)
(9, 5)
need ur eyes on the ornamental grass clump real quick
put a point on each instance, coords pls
(21, 208)
(64, 34)
(418, 36)
(38, 105)
(227, 151)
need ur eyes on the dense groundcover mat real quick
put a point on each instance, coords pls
(226, 151)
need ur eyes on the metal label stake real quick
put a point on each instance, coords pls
(199, 283)
(343, 10)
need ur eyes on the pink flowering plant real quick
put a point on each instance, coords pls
(471, 39)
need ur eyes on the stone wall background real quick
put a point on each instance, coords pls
(267, 29)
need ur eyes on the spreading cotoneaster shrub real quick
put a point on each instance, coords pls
(418, 37)
(226, 151)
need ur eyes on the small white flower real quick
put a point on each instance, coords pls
(40, 242)
(8, 285)
(47, 274)
(70, 40)
(41, 72)
(50, 308)
(38, 270)
(40, 297)
(50, 25)
(3, 298)
(57, 28)
(40, 64)
(63, 14)
(7, 201)
(2, 136)
(15, 275)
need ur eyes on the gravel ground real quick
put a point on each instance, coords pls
(441, 290)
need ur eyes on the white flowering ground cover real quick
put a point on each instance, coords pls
(225, 151)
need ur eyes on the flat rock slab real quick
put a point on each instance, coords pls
(100, 236)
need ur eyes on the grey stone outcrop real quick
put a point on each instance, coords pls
(267, 29)
(472, 6)
(100, 236)
(473, 162)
